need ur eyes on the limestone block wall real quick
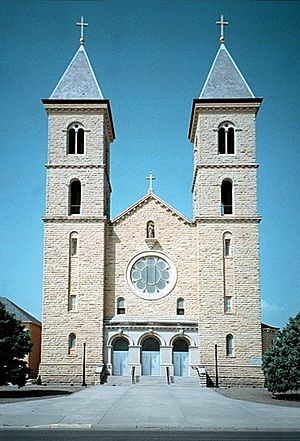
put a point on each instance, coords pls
(244, 194)
(95, 137)
(244, 321)
(92, 190)
(59, 364)
(176, 239)
(207, 136)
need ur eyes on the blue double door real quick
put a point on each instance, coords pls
(120, 357)
(181, 358)
(150, 357)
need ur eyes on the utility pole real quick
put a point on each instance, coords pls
(216, 365)
(83, 365)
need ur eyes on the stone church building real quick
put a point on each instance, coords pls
(151, 293)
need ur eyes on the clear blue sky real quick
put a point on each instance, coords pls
(151, 58)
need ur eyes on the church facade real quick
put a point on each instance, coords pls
(152, 293)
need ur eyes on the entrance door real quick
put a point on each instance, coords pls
(150, 357)
(181, 358)
(120, 357)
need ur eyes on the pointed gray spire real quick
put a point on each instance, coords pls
(225, 79)
(79, 81)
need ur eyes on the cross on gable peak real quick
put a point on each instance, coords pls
(150, 178)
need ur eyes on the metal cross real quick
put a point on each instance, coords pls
(150, 178)
(81, 24)
(222, 23)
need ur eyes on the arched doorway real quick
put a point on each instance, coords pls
(120, 357)
(150, 357)
(181, 357)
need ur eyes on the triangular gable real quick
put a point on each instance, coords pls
(78, 81)
(225, 79)
(145, 200)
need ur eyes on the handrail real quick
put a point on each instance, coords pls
(133, 375)
(168, 375)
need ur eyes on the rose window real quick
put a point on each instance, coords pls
(151, 275)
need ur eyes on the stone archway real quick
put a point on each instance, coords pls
(150, 356)
(181, 357)
(120, 357)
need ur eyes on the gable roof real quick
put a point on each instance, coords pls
(225, 79)
(78, 81)
(144, 200)
(19, 313)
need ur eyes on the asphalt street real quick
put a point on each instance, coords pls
(142, 435)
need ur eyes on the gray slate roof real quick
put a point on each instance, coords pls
(225, 79)
(19, 313)
(79, 81)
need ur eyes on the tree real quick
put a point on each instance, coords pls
(281, 363)
(14, 345)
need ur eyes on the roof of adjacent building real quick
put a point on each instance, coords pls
(18, 312)
(225, 79)
(79, 81)
(265, 326)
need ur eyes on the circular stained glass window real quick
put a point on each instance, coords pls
(151, 276)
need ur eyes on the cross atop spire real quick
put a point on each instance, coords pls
(222, 23)
(82, 25)
(150, 178)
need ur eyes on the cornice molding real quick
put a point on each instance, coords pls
(72, 219)
(227, 219)
(73, 166)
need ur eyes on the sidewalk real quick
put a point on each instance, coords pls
(161, 406)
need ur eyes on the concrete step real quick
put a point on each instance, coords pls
(150, 380)
(116, 380)
(186, 381)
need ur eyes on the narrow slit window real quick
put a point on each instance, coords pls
(72, 343)
(72, 302)
(228, 304)
(75, 197)
(229, 346)
(180, 307)
(226, 197)
(74, 246)
(227, 244)
(121, 306)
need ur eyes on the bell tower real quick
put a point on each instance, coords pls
(80, 131)
(222, 130)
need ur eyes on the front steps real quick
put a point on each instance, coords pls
(147, 380)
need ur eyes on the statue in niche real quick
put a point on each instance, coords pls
(150, 230)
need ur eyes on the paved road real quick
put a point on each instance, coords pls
(147, 407)
(149, 435)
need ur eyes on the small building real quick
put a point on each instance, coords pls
(34, 327)
(268, 335)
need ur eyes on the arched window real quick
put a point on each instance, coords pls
(76, 139)
(226, 138)
(73, 244)
(121, 305)
(72, 342)
(227, 244)
(180, 306)
(229, 345)
(226, 197)
(75, 197)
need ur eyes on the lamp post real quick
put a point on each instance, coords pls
(83, 365)
(216, 365)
